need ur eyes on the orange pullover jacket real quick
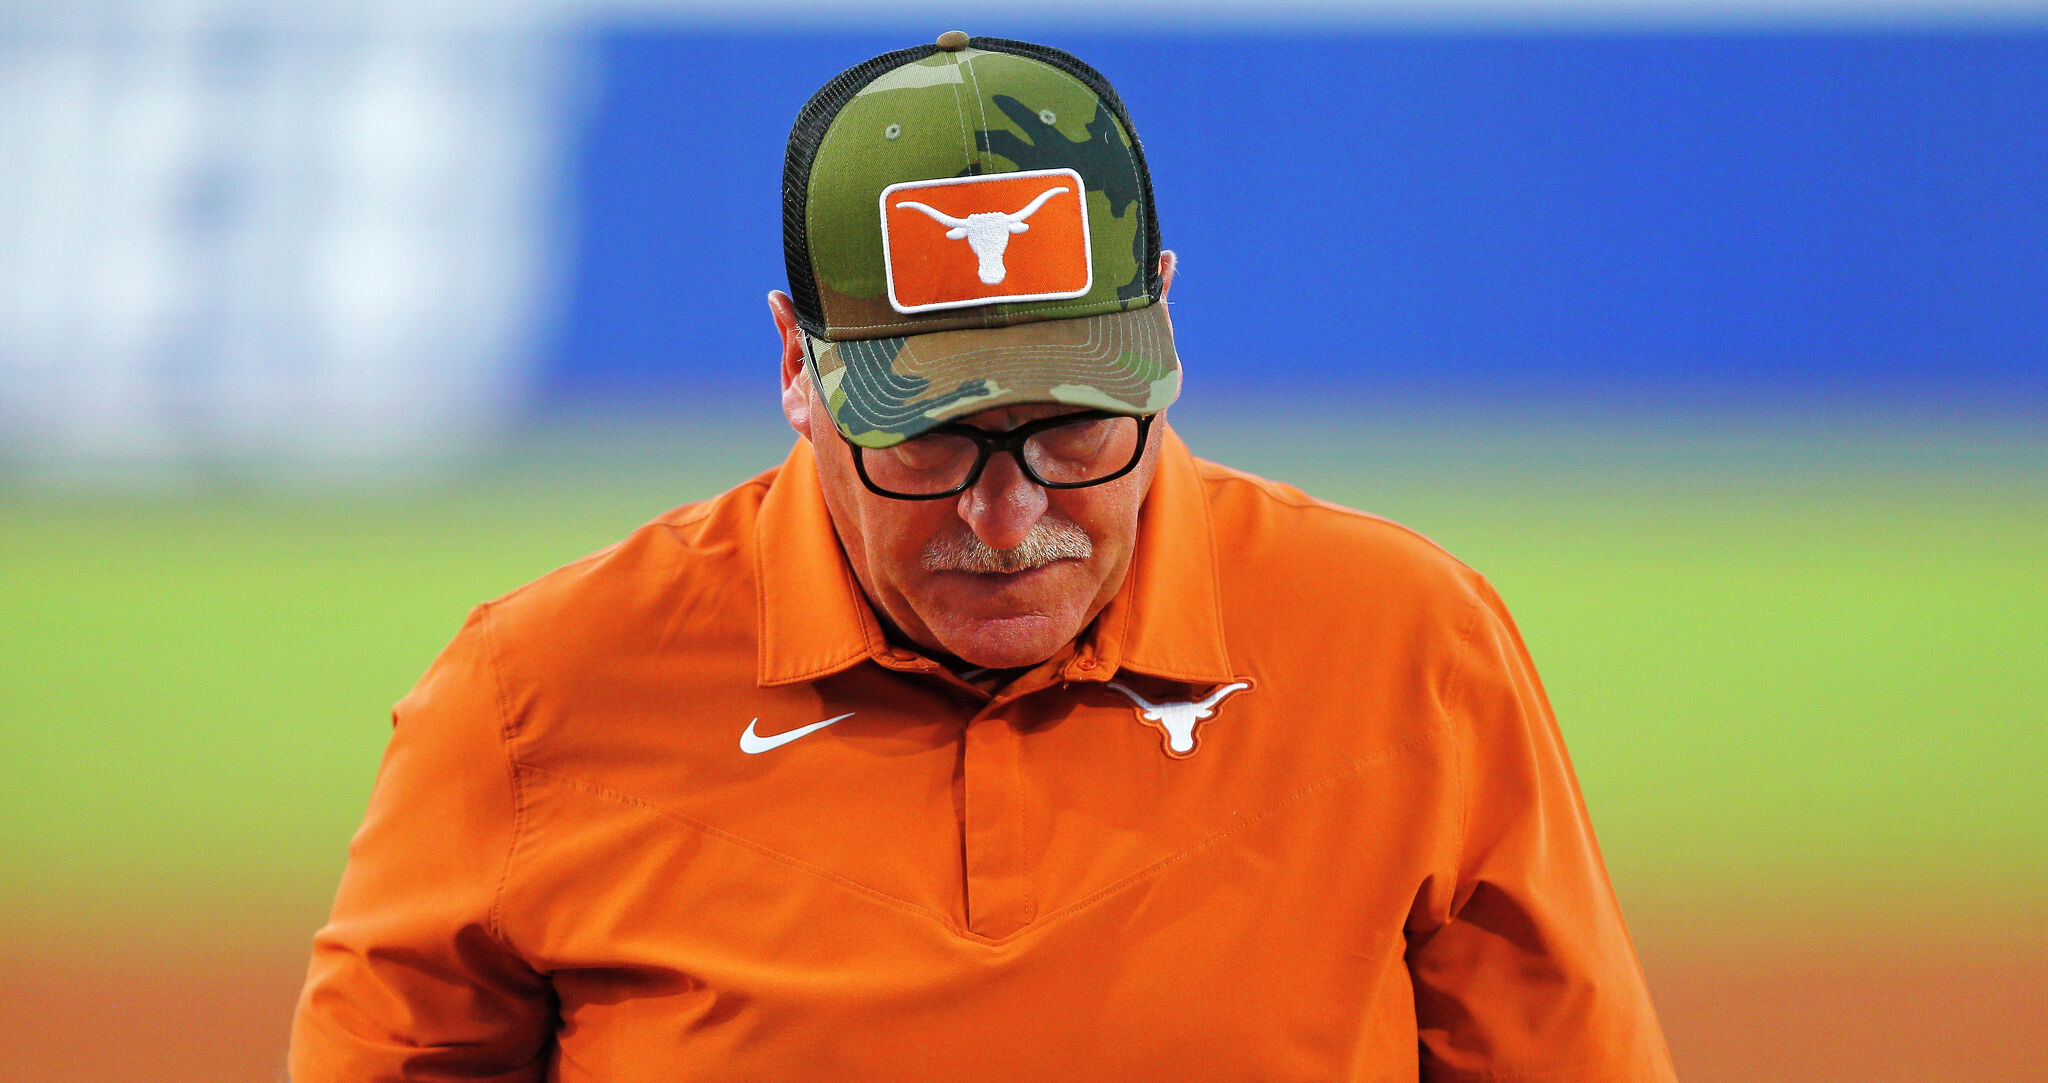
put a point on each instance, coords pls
(1294, 807)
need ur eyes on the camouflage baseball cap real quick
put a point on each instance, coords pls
(969, 225)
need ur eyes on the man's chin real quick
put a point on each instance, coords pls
(1006, 642)
(1007, 620)
(1004, 651)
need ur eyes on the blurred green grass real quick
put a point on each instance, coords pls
(1798, 661)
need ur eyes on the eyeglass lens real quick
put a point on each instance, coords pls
(1087, 450)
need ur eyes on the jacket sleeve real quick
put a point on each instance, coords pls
(412, 978)
(1524, 970)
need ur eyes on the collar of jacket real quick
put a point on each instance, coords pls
(1166, 620)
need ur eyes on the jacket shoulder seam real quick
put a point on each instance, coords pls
(505, 735)
(1219, 477)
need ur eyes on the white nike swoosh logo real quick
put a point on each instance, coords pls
(753, 744)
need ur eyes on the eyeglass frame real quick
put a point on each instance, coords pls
(988, 443)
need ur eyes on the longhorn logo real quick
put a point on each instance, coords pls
(987, 232)
(1039, 252)
(1178, 720)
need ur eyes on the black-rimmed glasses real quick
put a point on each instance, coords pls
(1071, 451)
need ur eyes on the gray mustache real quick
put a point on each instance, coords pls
(1049, 540)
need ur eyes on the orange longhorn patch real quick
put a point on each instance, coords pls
(963, 241)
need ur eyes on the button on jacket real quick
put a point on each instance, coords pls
(1369, 862)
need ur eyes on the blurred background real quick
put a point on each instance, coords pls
(1715, 332)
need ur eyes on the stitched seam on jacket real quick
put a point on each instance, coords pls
(761, 676)
(1454, 685)
(1030, 894)
(490, 651)
(825, 670)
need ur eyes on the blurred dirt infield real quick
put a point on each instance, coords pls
(1923, 1004)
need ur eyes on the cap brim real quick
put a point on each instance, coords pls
(882, 391)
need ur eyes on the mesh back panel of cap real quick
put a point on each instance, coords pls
(816, 118)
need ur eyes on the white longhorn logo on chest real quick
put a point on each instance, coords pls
(1178, 720)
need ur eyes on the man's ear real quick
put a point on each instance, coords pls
(796, 383)
(1167, 262)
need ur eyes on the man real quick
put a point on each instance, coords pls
(993, 736)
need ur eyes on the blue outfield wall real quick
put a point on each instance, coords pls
(1798, 217)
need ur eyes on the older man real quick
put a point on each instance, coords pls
(992, 736)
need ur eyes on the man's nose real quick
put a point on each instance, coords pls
(1003, 505)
